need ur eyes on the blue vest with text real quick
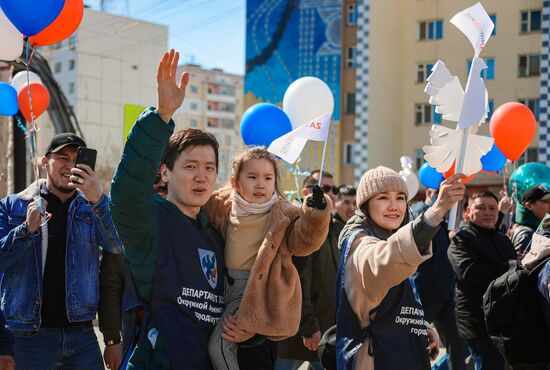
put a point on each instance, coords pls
(397, 335)
(187, 297)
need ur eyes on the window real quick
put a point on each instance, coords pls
(532, 104)
(213, 123)
(58, 46)
(71, 87)
(425, 114)
(419, 158)
(530, 21)
(430, 30)
(423, 72)
(529, 65)
(193, 123)
(194, 106)
(351, 57)
(348, 154)
(71, 65)
(350, 103)
(489, 73)
(194, 89)
(352, 14)
(57, 67)
(494, 19)
(72, 40)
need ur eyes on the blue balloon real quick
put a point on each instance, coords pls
(429, 176)
(31, 16)
(529, 175)
(8, 99)
(262, 123)
(494, 160)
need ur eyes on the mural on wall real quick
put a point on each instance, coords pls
(289, 39)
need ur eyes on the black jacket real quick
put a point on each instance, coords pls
(478, 256)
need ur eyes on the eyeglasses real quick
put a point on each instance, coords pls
(327, 189)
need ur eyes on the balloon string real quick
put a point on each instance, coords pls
(32, 133)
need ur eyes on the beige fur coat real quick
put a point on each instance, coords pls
(272, 300)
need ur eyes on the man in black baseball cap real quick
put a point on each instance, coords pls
(50, 256)
(535, 204)
(63, 140)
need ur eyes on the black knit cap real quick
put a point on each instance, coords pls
(60, 141)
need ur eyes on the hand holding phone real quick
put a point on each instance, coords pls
(85, 179)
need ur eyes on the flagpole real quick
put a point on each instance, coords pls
(323, 160)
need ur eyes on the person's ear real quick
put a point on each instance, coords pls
(164, 173)
(305, 192)
(234, 183)
(44, 162)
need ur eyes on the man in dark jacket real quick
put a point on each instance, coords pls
(535, 204)
(318, 279)
(479, 254)
(174, 254)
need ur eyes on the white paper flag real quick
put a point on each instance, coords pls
(290, 146)
(475, 23)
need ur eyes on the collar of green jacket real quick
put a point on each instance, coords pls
(202, 218)
(526, 218)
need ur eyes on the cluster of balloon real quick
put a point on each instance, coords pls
(41, 23)
(305, 99)
(14, 97)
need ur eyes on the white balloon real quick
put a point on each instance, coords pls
(307, 98)
(20, 79)
(11, 45)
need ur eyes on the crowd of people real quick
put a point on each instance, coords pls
(185, 276)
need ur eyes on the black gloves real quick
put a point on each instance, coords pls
(317, 200)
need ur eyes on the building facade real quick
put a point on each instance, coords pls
(398, 43)
(214, 102)
(109, 62)
(286, 40)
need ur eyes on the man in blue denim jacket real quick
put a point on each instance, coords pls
(50, 235)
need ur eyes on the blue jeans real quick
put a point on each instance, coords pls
(286, 364)
(486, 355)
(59, 349)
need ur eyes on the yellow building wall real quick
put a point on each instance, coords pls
(395, 52)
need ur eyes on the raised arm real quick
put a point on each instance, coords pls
(132, 205)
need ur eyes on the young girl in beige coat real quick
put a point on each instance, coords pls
(262, 292)
(380, 320)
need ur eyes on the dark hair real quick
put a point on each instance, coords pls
(346, 190)
(183, 139)
(255, 152)
(310, 181)
(482, 194)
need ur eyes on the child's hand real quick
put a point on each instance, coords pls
(231, 331)
(317, 200)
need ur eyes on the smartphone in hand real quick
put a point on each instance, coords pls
(86, 156)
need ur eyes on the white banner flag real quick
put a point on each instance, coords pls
(476, 24)
(289, 146)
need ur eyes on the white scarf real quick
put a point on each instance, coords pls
(241, 207)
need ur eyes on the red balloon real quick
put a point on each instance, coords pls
(513, 126)
(40, 100)
(451, 172)
(63, 26)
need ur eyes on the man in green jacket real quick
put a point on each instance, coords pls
(174, 255)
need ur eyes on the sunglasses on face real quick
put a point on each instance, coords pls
(327, 189)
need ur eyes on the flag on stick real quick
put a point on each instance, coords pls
(289, 146)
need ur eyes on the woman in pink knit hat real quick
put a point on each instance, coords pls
(380, 319)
